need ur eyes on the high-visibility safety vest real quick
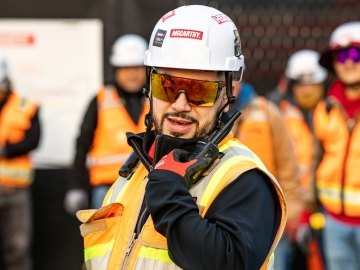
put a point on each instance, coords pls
(109, 237)
(337, 176)
(303, 138)
(253, 129)
(110, 149)
(15, 121)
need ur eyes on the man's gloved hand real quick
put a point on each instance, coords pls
(75, 200)
(180, 161)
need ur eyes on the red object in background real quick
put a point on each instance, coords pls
(16, 39)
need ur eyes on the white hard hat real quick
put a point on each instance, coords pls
(303, 66)
(195, 37)
(128, 50)
(344, 36)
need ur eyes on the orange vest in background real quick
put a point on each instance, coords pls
(254, 130)
(303, 138)
(337, 177)
(15, 121)
(110, 149)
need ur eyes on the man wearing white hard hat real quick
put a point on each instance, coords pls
(19, 135)
(301, 105)
(339, 185)
(101, 147)
(195, 198)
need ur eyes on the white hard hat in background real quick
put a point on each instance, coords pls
(195, 37)
(344, 36)
(128, 50)
(303, 66)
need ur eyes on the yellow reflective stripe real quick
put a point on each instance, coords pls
(228, 144)
(242, 150)
(98, 250)
(270, 262)
(141, 170)
(155, 254)
(216, 178)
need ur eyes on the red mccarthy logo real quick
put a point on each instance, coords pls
(186, 33)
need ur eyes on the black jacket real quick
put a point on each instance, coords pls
(237, 231)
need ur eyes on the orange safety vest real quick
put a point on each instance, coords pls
(110, 149)
(109, 232)
(15, 121)
(337, 176)
(303, 138)
(253, 129)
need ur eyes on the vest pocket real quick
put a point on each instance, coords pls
(99, 230)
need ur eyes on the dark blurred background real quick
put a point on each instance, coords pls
(270, 29)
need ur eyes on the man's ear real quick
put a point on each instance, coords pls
(225, 100)
(236, 87)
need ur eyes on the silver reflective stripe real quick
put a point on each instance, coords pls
(99, 263)
(329, 194)
(109, 101)
(115, 159)
(17, 173)
(271, 262)
(352, 197)
(119, 184)
(146, 264)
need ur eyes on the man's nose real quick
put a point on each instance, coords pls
(181, 104)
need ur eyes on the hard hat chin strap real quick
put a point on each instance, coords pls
(230, 98)
(149, 121)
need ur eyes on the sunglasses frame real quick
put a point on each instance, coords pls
(221, 85)
(348, 56)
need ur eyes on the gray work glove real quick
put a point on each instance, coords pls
(75, 200)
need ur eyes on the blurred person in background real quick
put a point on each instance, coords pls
(276, 94)
(338, 175)
(102, 147)
(19, 135)
(305, 94)
(262, 128)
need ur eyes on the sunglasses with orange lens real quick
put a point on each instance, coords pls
(198, 92)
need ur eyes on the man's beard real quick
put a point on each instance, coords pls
(200, 131)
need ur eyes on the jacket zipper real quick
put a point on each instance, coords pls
(144, 215)
(128, 251)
